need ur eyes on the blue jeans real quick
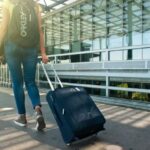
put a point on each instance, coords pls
(22, 65)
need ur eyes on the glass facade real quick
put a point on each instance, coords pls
(100, 24)
(101, 31)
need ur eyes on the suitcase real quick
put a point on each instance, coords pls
(74, 111)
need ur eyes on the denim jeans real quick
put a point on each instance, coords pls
(22, 65)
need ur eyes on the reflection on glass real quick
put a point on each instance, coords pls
(136, 23)
(136, 54)
(103, 56)
(100, 24)
(136, 38)
(86, 57)
(116, 55)
(125, 40)
(86, 45)
(115, 23)
(115, 41)
(64, 59)
(56, 29)
(96, 57)
(146, 37)
(125, 55)
(57, 49)
(103, 43)
(146, 22)
(146, 53)
(65, 48)
(96, 44)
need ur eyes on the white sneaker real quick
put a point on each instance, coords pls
(40, 123)
(21, 121)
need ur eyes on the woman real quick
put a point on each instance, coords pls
(21, 56)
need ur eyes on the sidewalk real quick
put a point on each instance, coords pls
(126, 129)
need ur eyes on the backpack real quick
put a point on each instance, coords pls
(23, 28)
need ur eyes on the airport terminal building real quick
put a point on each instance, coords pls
(102, 45)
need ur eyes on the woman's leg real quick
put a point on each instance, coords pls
(29, 69)
(14, 63)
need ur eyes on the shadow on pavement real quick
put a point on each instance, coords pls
(126, 129)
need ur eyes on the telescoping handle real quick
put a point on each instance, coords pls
(48, 79)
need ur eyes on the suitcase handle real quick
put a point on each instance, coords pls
(48, 79)
(60, 83)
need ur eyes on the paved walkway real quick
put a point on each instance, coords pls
(126, 129)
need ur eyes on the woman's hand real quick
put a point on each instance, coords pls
(44, 58)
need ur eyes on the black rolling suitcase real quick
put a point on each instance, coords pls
(74, 111)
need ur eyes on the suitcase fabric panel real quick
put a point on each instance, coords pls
(75, 107)
(65, 129)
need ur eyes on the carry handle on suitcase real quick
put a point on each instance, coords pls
(51, 85)
(48, 79)
(67, 136)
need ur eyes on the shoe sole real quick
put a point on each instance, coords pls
(40, 124)
(20, 124)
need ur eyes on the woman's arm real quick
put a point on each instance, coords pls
(42, 48)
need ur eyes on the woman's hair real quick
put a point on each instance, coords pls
(30, 2)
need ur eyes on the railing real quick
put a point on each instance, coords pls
(77, 70)
(97, 51)
(5, 79)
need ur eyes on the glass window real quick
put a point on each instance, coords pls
(103, 43)
(146, 37)
(86, 21)
(115, 41)
(125, 40)
(103, 56)
(125, 55)
(86, 45)
(137, 22)
(99, 18)
(96, 57)
(77, 30)
(146, 53)
(146, 22)
(64, 26)
(65, 48)
(48, 32)
(63, 59)
(96, 44)
(137, 38)
(56, 29)
(137, 54)
(115, 55)
(74, 24)
(57, 49)
(100, 24)
(115, 23)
